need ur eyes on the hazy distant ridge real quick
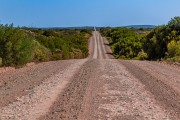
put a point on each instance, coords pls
(140, 26)
(92, 27)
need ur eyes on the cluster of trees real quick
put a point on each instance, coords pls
(19, 46)
(162, 42)
(64, 44)
(125, 43)
(15, 46)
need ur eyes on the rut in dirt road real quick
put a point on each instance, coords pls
(97, 88)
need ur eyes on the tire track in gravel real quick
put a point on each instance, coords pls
(69, 103)
(39, 100)
(165, 95)
(95, 47)
(105, 56)
(108, 51)
(115, 94)
(100, 55)
(168, 74)
(22, 81)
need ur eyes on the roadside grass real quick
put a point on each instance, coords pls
(174, 59)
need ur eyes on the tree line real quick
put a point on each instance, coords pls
(19, 46)
(162, 42)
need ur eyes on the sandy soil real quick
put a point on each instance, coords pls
(97, 88)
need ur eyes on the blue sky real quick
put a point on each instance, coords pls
(66, 13)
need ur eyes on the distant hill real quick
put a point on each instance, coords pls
(73, 28)
(141, 26)
(97, 28)
(66, 28)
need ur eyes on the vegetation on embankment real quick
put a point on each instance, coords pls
(19, 46)
(126, 43)
(161, 43)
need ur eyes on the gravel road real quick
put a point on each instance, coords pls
(97, 88)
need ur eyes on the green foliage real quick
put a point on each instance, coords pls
(156, 43)
(163, 41)
(40, 53)
(159, 43)
(66, 44)
(142, 56)
(15, 46)
(19, 46)
(22, 48)
(174, 59)
(174, 50)
(174, 23)
(125, 43)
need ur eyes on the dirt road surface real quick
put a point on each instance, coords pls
(97, 88)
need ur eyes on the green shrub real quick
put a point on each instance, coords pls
(142, 55)
(41, 53)
(19, 46)
(174, 59)
(77, 54)
(173, 53)
(67, 42)
(39, 56)
(162, 42)
(125, 43)
(15, 46)
(22, 48)
(172, 49)
(57, 56)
